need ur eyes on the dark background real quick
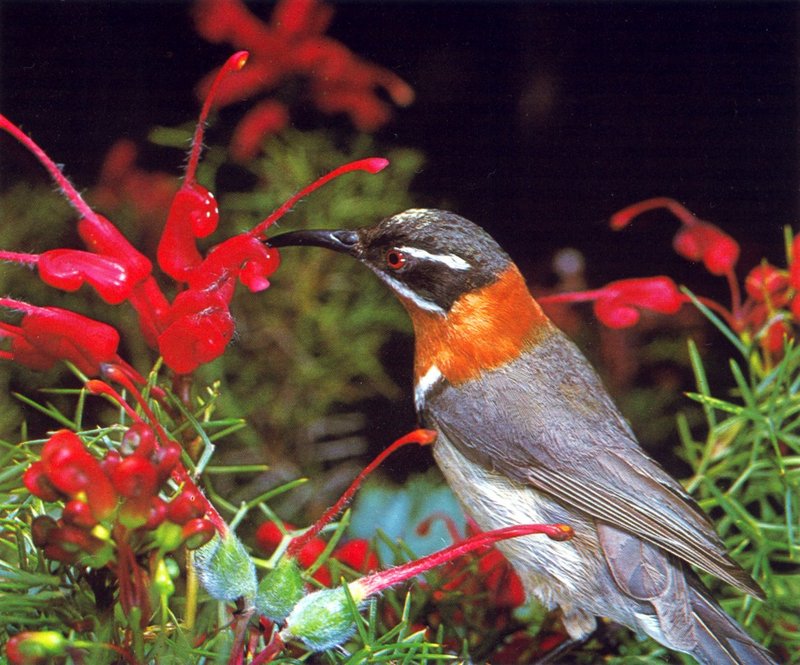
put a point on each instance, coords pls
(538, 120)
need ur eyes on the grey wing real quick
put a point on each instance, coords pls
(568, 439)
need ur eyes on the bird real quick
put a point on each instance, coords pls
(528, 433)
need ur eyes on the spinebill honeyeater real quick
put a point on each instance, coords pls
(528, 433)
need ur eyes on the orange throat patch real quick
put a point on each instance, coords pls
(484, 329)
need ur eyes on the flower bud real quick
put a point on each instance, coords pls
(41, 529)
(77, 513)
(322, 620)
(33, 648)
(188, 505)
(197, 532)
(225, 569)
(37, 483)
(280, 590)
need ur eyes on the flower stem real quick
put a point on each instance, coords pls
(422, 437)
(232, 64)
(366, 586)
(370, 165)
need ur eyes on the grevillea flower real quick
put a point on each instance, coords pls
(197, 326)
(293, 46)
(619, 304)
(697, 240)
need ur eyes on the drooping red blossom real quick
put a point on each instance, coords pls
(48, 335)
(619, 304)
(194, 212)
(197, 326)
(292, 46)
(697, 240)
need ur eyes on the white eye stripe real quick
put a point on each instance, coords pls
(450, 260)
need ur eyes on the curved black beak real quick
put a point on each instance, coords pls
(344, 241)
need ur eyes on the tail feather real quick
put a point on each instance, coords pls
(720, 640)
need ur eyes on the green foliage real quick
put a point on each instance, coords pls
(747, 476)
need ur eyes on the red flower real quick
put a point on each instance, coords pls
(197, 326)
(48, 335)
(766, 283)
(618, 304)
(292, 45)
(697, 240)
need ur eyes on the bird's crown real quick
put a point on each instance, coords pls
(431, 257)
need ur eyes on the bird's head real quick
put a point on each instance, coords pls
(429, 258)
(469, 304)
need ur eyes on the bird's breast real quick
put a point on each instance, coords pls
(484, 329)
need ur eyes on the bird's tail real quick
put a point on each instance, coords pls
(720, 640)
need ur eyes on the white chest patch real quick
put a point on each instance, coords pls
(425, 383)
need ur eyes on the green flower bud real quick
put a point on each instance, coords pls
(280, 590)
(322, 620)
(169, 536)
(225, 568)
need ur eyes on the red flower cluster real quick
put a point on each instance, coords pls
(196, 326)
(356, 554)
(293, 45)
(768, 313)
(119, 493)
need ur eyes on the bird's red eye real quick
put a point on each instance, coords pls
(395, 259)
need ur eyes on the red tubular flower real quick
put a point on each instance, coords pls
(198, 329)
(70, 269)
(47, 335)
(194, 212)
(75, 472)
(618, 304)
(766, 283)
(697, 240)
(244, 256)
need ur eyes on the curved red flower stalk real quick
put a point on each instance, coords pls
(75, 199)
(376, 582)
(698, 240)
(233, 64)
(422, 437)
(194, 212)
(370, 165)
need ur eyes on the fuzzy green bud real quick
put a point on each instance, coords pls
(323, 619)
(280, 590)
(225, 568)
